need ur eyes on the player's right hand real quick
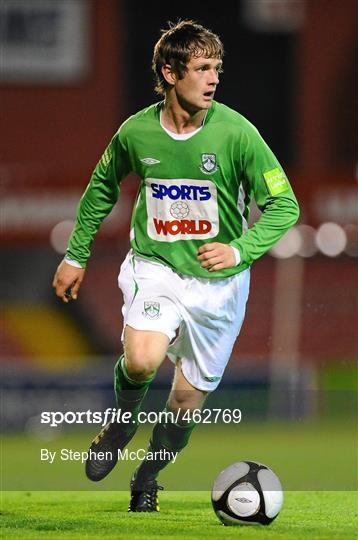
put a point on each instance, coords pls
(67, 281)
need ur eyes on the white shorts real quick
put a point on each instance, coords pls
(201, 317)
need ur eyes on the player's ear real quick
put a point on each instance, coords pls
(168, 74)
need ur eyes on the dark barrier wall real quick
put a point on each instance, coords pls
(56, 132)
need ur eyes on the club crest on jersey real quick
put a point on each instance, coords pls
(208, 163)
(152, 310)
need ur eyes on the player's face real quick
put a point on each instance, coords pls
(195, 91)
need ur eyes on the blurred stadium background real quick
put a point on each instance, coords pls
(72, 71)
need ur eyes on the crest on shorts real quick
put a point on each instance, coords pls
(208, 163)
(152, 310)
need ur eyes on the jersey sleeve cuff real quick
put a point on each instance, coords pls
(237, 256)
(71, 262)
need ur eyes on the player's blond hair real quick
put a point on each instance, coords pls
(178, 44)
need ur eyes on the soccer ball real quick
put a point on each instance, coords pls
(247, 493)
(179, 210)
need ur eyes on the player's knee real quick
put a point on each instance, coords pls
(183, 400)
(140, 367)
(186, 400)
(179, 399)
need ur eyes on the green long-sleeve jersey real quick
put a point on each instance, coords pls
(192, 191)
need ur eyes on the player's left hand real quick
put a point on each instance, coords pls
(216, 256)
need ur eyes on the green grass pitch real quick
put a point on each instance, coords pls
(188, 515)
(316, 463)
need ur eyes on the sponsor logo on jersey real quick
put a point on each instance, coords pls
(276, 181)
(208, 163)
(183, 192)
(151, 310)
(184, 226)
(150, 161)
(181, 209)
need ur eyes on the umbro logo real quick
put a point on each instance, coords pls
(243, 500)
(150, 161)
(212, 379)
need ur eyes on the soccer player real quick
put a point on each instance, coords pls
(185, 280)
